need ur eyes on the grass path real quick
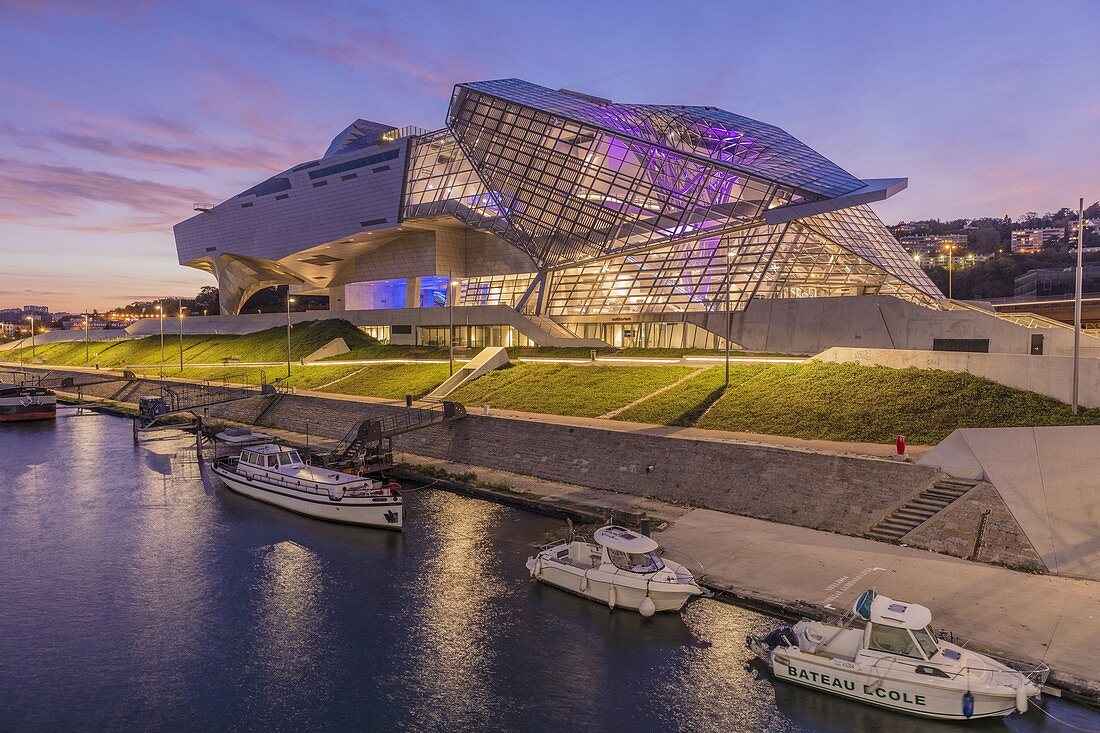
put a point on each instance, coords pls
(662, 390)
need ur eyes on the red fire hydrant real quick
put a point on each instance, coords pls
(901, 445)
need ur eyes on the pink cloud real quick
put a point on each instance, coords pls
(61, 196)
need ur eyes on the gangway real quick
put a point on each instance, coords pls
(62, 381)
(185, 397)
(369, 444)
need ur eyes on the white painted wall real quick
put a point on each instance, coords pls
(1048, 375)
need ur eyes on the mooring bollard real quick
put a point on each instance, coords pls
(644, 523)
(408, 400)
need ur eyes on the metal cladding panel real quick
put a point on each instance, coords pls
(859, 231)
(338, 197)
(754, 147)
(569, 192)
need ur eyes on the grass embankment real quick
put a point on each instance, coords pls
(268, 345)
(386, 381)
(876, 404)
(685, 403)
(815, 400)
(566, 389)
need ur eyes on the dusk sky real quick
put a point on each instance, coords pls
(118, 116)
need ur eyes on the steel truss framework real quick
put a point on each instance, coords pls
(645, 209)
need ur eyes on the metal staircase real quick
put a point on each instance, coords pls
(370, 443)
(920, 509)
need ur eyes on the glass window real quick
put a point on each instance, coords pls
(293, 457)
(635, 562)
(927, 640)
(893, 640)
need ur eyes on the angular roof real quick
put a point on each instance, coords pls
(359, 134)
(733, 140)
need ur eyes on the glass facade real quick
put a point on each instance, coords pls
(631, 209)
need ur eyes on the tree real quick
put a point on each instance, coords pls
(206, 301)
(988, 241)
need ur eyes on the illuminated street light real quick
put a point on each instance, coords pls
(181, 335)
(160, 315)
(34, 354)
(950, 247)
(452, 285)
(289, 300)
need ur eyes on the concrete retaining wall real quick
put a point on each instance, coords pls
(845, 494)
(810, 325)
(1048, 375)
(954, 531)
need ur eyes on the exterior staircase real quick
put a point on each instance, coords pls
(920, 509)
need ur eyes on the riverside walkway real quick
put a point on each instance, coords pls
(784, 567)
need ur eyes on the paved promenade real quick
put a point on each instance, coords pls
(1019, 615)
(1013, 614)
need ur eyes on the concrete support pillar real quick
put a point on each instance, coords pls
(336, 300)
(412, 292)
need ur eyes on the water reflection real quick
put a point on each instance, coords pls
(452, 627)
(144, 600)
(289, 636)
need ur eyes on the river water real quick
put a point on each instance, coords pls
(134, 596)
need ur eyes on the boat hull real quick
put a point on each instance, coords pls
(846, 679)
(19, 408)
(361, 511)
(597, 585)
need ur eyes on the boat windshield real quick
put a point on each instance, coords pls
(646, 562)
(893, 640)
(290, 458)
(927, 640)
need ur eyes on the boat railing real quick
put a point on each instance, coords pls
(1006, 678)
(1035, 670)
(335, 492)
(695, 570)
(556, 543)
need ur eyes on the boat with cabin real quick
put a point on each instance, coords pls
(885, 653)
(25, 402)
(277, 475)
(621, 568)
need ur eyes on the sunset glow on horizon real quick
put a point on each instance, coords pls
(117, 119)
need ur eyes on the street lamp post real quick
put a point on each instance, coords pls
(452, 285)
(181, 335)
(1078, 274)
(950, 270)
(729, 311)
(289, 300)
(34, 353)
(160, 315)
(86, 337)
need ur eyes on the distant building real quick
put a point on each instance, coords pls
(38, 311)
(1033, 240)
(921, 244)
(1054, 281)
(9, 329)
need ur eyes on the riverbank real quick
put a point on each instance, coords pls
(680, 481)
(793, 571)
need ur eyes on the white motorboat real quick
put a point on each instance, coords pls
(885, 653)
(622, 569)
(278, 476)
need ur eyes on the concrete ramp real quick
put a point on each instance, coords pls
(1048, 477)
(336, 347)
(488, 359)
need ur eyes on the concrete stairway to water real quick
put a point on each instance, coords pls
(920, 509)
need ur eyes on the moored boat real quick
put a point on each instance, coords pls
(278, 476)
(885, 653)
(621, 568)
(21, 402)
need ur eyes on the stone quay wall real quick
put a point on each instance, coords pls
(837, 493)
